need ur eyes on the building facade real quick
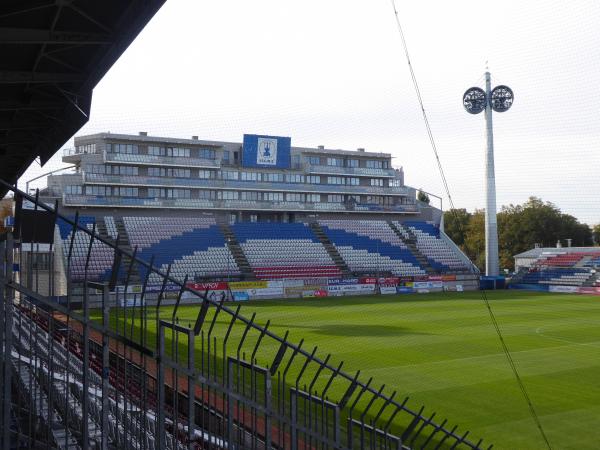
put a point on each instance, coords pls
(262, 178)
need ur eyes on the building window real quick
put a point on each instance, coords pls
(74, 189)
(352, 181)
(296, 161)
(125, 191)
(206, 174)
(226, 156)
(95, 168)
(335, 180)
(229, 175)
(295, 178)
(377, 182)
(335, 198)
(315, 198)
(314, 160)
(229, 195)
(103, 191)
(156, 193)
(121, 170)
(395, 183)
(294, 197)
(336, 162)
(273, 196)
(207, 195)
(178, 152)
(250, 176)
(253, 218)
(250, 195)
(179, 193)
(352, 162)
(127, 149)
(206, 153)
(156, 151)
(374, 164)
(313, 179)
(273, 177)
(168, 172)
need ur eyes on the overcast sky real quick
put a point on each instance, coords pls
(333, 73)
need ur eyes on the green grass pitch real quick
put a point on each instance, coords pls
(442, 351)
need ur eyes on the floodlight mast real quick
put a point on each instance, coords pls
(491, 224)
(475, 100)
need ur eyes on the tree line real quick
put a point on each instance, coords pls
(520, 228)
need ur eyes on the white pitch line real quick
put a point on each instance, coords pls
(587, 344)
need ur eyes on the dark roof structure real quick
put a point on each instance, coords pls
(52, 55)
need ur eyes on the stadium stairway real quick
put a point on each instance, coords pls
(583, 262)
(238, 253)
(123, 243)
(331, 250)
(101, 229)
(594, 280)
(411, 243)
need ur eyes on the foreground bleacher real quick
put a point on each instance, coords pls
(102, 371)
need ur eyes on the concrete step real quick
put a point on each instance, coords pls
(411, 243)
(237, 252)
(330, 248)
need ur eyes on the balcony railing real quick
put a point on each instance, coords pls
(153, 160)
(134, 202)
(130, 180)
(356, 171)
(78, 151)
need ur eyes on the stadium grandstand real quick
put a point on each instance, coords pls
(560, 269)
(256, 210)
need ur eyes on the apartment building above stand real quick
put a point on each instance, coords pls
(262, 178)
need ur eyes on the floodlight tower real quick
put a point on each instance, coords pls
(476, 100)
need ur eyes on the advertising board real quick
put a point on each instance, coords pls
(239, 296)
(404, 290)
(339, 281)
(387, 290)
(563, 289)
(350, 289)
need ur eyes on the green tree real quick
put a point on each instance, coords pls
(456, 222)
(596, 234)
(520, 227)
(474, 245)
(423, 197)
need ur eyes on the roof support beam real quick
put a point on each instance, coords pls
(35, 36)
(6, 125)
(30, 106)
(17, 77)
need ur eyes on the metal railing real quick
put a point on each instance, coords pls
(96, 365)
(154, 160)
(356, 171)
(73, 200)
(133, 180)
